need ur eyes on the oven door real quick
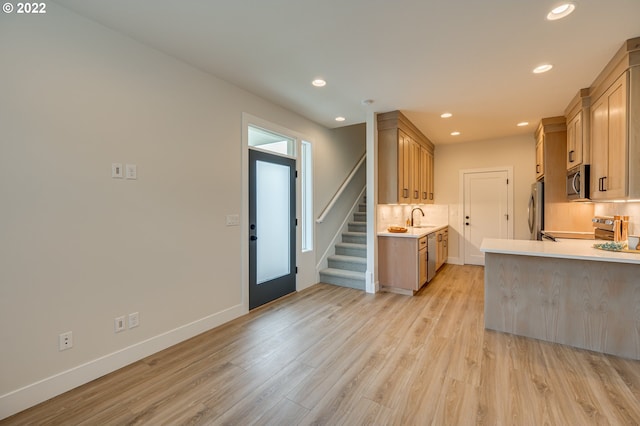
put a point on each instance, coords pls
(578, 184)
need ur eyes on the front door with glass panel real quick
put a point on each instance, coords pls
(272, 227)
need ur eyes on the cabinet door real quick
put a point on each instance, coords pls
(616, 183)
(445, 246)
(599, 146)
(574, 141)
(430, 174)
(439, 251)
(422, 259)
(609, 143)
(415, 172)
(404, 169)
(424, 173)
(540, 157)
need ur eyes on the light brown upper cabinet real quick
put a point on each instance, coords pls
(405, 162)
(539, 156)
(615, 127)
(550, 149)
(578, 119)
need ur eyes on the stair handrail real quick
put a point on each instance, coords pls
(337, 195)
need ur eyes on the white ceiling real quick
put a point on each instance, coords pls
(424, 57)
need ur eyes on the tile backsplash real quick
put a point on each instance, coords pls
(623, 209)
(397, 214)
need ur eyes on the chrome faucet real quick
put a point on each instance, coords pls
(417, 208)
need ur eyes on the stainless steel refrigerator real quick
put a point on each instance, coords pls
(536, 210)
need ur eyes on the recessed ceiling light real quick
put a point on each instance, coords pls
(561, 11)
(542, 68)
(318, 82)
(446, 115)
(523, 123)
(455, 133)
(340, 118)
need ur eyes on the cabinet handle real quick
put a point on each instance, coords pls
(537, 168)
(424, 195)
(415, 194)
(439, 237)
(601, 185)
(571, 159)
(431, 196)
(405, 193)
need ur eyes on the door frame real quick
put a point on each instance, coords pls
(247, 120)
(510, 207)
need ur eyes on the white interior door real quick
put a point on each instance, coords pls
(486, 211)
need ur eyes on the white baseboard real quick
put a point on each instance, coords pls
(455, 260)
(35, 393)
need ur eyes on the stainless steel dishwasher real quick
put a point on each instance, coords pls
(431, 256)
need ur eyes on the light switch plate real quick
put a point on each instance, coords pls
(131, 171)
(233, 219)
(116, 170)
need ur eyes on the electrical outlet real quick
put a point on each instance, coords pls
(118, 324)
(65, 341)
(134, 320)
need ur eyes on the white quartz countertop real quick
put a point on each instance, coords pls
(414, 232)
(562, 249)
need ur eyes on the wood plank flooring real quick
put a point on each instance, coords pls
(332, 355)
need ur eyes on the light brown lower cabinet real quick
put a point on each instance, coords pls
(442, 244)
(402, 263)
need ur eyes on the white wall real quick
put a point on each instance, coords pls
(516, 151)
(78, 248)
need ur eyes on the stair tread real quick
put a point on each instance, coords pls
(345, 258)
(354, 233)
(343, 273)
(352, 245)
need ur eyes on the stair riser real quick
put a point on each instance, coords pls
(355, 239)
(357, 227)
(342, 281)
(349, 266)
(350, 251)
(360, 217)
(362, 208)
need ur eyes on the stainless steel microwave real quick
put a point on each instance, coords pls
(578, 183)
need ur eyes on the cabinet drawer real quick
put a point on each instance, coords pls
(422, 243)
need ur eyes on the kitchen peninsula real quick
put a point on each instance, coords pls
(564, 292)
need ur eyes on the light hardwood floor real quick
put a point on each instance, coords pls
(332, 355)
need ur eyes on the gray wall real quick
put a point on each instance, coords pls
(349, 139)
(78, 248)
